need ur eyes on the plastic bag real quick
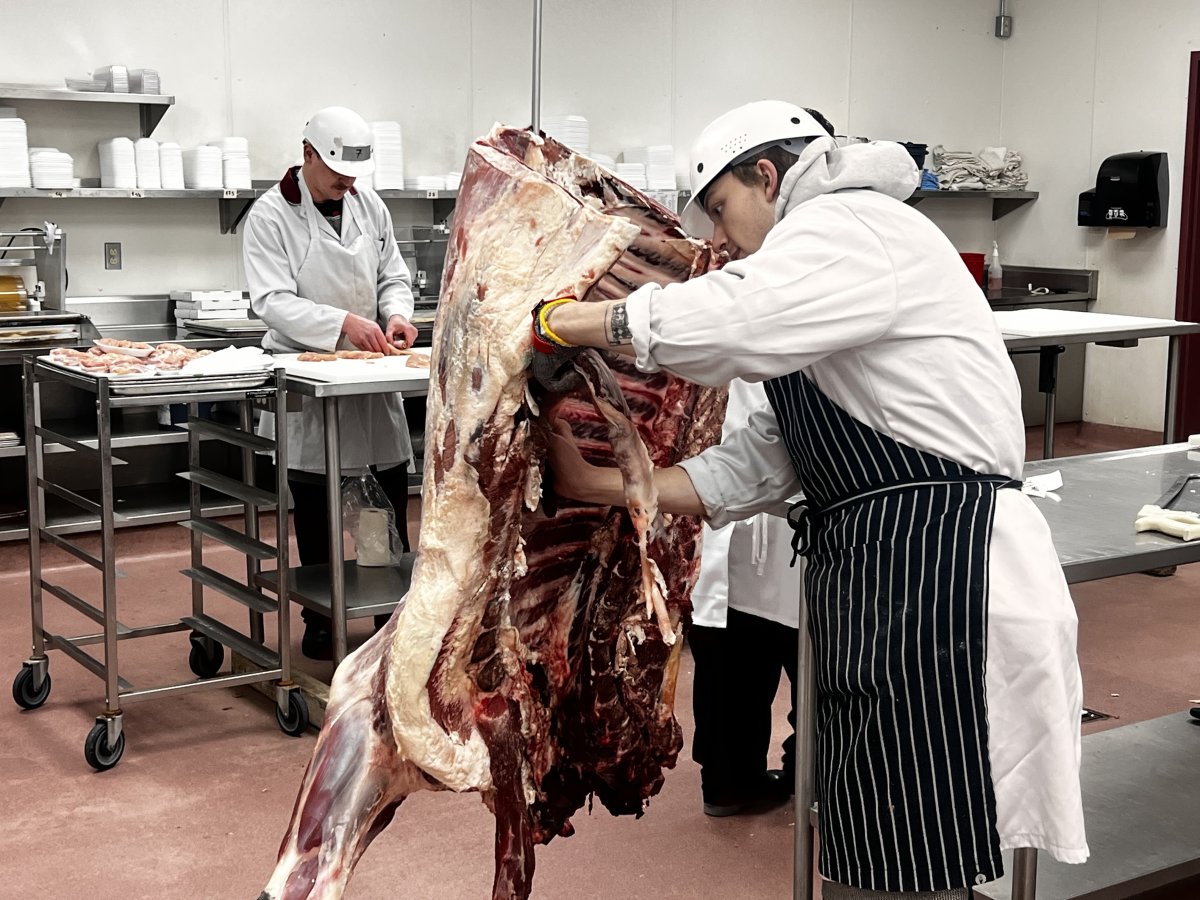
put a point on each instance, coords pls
(370, 521)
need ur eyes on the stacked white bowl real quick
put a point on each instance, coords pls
(14, 153)
(170, 166)
(51, 169)
(388, 150)
(235, 162)
(570, 130)
(118, 168)
(145, 160)
(202, 169)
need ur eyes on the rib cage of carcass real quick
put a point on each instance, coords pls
(535, 656)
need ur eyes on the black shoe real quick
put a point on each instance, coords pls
(769, 792)
(317, 642)
(782, 781)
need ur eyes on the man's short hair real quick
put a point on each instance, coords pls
(781, 158)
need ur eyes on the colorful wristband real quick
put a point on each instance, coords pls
(544, 338)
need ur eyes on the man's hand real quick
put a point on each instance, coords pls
(400, 332)
(574, 477)
(365, 334)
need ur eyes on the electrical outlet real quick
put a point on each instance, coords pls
(112, 256)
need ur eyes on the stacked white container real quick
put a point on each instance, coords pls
(170, 165)
(659, 162)
(202, 169)
(388, 151)
(115, 78)
(146, 162)
(14, 153)
(118, 168)
(144, 81)
(570, 130)
(51, 169)
(633, 174)
(235, 162)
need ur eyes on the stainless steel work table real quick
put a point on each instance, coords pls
(346, 590)
(1095, 328)
(1141, 792)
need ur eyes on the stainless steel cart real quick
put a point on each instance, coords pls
(105, 743)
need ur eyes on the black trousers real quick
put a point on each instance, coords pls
(310, 516)
(736, 677)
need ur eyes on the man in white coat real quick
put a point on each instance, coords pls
(948, 689)
(745, 616)
(325, 274)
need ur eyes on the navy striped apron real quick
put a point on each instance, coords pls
(896, 541)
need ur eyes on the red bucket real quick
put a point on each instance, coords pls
(974, 264)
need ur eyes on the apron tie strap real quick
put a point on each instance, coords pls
(798, 517)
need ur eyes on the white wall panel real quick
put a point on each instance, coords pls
(927, 71)
(385, 60)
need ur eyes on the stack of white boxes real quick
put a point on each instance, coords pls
(193, 305)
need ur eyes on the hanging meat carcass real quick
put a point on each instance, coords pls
(527, 661)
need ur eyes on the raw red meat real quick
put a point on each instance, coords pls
(526, 661)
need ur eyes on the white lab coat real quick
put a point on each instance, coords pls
(868, 297)
(746, 565)
(304, 277)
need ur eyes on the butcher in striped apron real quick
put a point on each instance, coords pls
(948, 689)
(897, 546)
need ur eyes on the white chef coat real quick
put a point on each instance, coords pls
(872, 301)
(747, 565)
(303, 278)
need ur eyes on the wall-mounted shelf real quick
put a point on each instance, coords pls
(1003, 202)
(151, 107)
(232, 204)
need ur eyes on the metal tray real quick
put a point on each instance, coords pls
(166, 384)
(132, 386)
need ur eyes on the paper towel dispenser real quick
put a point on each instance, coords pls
(1131, 192)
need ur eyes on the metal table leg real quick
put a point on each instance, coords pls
(1048, 385)
(250, 515)
(38, 660)
(333, 487)
(1024, 881)
(1169, 423)
(805, 754)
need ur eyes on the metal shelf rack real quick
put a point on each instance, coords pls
(105, 743)
(1003, 202)
(151, 107)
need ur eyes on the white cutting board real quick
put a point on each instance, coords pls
(358, 371)
(1049, 322)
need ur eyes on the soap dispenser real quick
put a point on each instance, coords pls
(995, 279)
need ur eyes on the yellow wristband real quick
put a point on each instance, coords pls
(544, 323)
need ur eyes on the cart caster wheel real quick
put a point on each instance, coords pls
(96, 750)
(206, 656)
(26, 695)
(295, 722)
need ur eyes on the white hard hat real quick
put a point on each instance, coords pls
(736, 136)
(342, 138)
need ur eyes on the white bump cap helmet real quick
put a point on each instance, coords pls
(740, 132)
(342, 138)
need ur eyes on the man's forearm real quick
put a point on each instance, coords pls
(603, 325)
(676, 495)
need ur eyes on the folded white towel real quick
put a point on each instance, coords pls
(1174, 522)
